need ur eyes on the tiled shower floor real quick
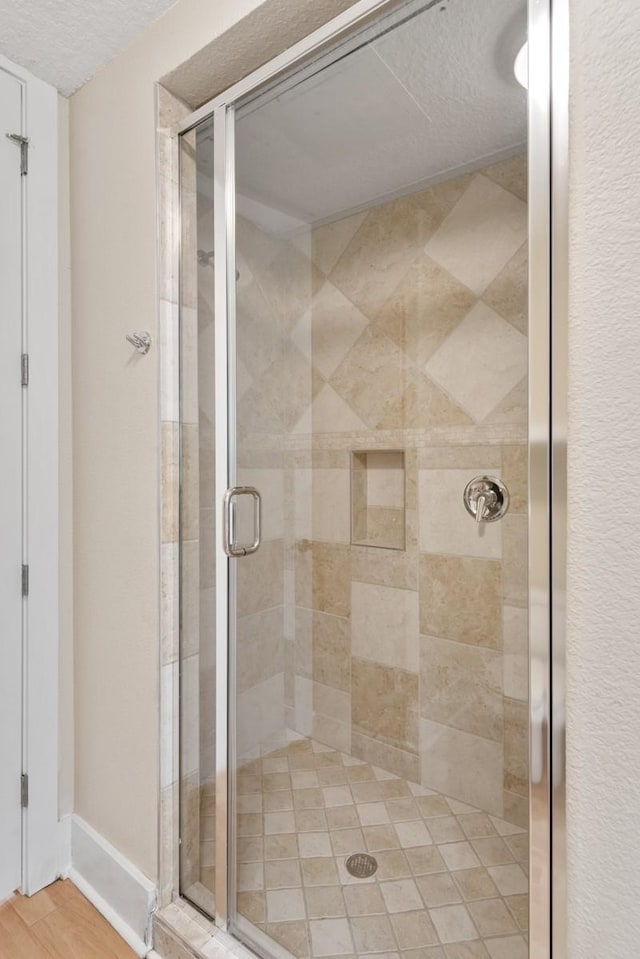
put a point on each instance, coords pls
(451, 881)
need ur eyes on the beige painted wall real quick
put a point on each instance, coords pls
(115, 432)
(115, 419)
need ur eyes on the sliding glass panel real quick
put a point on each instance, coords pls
(197, 522)
(379, 700)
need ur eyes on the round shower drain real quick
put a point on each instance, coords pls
(361, 865)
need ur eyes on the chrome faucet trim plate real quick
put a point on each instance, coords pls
(486, 499)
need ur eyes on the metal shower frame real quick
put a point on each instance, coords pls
(548, 38)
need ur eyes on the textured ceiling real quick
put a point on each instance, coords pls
(434, 96)
(65, 42)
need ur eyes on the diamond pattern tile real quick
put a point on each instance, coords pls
(480, 362)
(480, 235)
(328, 330)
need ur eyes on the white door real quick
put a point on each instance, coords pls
(10, 486)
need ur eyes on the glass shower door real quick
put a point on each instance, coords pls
(378, 635)
(199, 528)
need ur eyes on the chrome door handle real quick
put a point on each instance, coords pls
(229, 544)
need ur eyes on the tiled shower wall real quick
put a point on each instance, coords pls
(399, 328)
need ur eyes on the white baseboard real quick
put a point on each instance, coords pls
(118, 890)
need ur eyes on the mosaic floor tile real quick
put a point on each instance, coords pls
(449, 879)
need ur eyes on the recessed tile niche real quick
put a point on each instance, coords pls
(378, 498)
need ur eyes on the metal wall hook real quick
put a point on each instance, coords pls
(141, 341)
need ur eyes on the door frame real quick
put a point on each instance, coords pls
(548, 232)
(41, 831)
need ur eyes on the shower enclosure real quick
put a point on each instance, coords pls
(354, 356)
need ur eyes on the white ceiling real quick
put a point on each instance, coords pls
(433, 96)
(65, 42)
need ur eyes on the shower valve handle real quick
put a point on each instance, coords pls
(486, 499)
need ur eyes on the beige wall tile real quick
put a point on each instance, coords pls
(391, 568)
(332, 702)
(328, 413)
(381, 251)
(331, 650)
(445, 524)
(461, 686)
(190, 715)
(289, 283)
(190, 484)
(170, 466)
(261, 579)
(424, 405)
(387, 391)
(480, 362)
(303, 705)
(515, 467)
(290, 367)
(302, 642)
(515, 573)
(516, 747)
(260, 714)
(371, 379)
(190, 597)
(329, 328)
(508, 294)
(169, 613)
(257, 340)
(516, 652)
(516, 809)
(385, 478)
(190, 828)
(424, 308)
(384, 704)
(383, 528)
(323, 577)
(513, 410)
(207, 540)
(189, 353)
(329, 242)
(332, 731)
(322, 505)
(398, 761)
(384, 625)
(476, 254)
(459, 457)
(510, 174)
(461, 765)
(260, 647)
(460, 599)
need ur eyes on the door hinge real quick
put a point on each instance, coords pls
(24, 790)
(25, 580)
(24, 367)
(23, 143)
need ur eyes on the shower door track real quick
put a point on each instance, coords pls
(548, 37)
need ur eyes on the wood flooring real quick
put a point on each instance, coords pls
(57, 923)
